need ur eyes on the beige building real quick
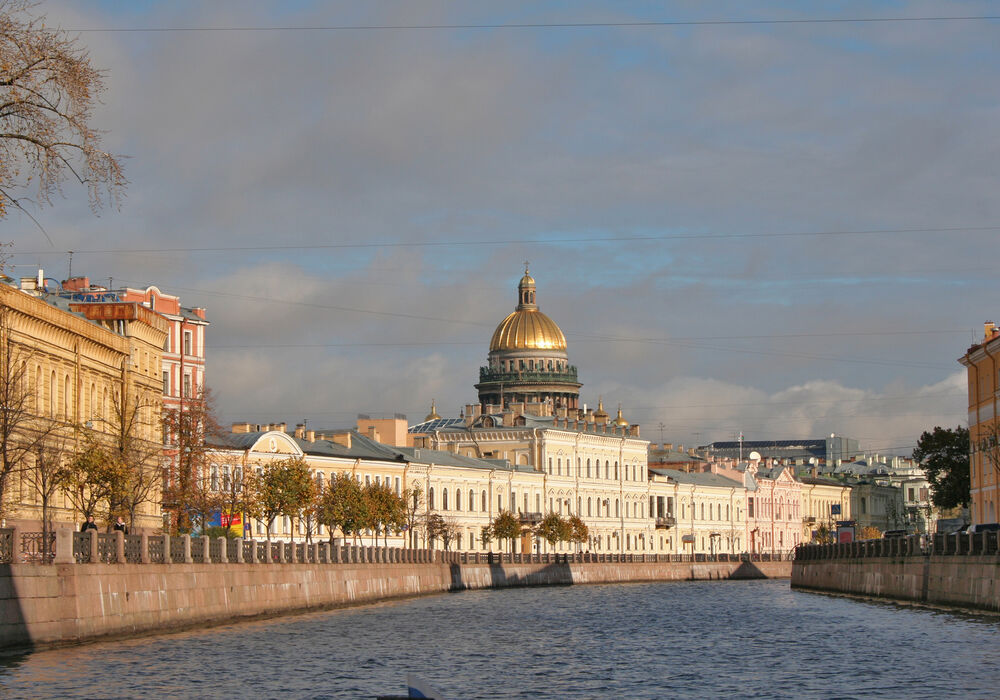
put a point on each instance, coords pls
(824, 502)
(709, 511)
(79, 367)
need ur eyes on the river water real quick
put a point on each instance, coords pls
(669, 640)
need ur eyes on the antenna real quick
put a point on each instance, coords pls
(70, 275)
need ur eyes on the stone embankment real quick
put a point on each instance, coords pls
(79, 597)
(958, 570)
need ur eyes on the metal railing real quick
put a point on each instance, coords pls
(953, 544)
(567, 375)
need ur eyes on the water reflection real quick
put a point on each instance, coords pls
(691, 639)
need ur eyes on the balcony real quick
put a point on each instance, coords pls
(566, 376)
(666, 522)
(530, 518)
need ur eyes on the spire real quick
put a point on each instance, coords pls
(599, 413)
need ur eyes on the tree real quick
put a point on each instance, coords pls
(285, 488)
(579, 532)
(341, 506)
(91, 478)
(236, 495)
(944, 455)
(130, 422)
(440, 527)
(554, 529)
(48, 90)
(44, 477)
(506, 526)
(187, 434)
(869, 532)
(413, 501)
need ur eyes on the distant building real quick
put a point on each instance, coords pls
(983, 365)
(829, 451)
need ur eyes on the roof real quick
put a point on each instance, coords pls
(697, 478)
(429, 426)
(819, 481)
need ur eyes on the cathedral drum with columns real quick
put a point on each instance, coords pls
(527, 359)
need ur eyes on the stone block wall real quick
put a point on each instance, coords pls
(66, 603)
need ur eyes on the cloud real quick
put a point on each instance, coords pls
(291, 182)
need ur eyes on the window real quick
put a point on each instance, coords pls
(166, 382)
(444, 499)
(588, 506)
(525, 501)
(187, 386)
(559, 466)
(499, 501)
(187, 342)
(484, 502)
(458, 499)
(616, 471)
(750, 508)
(214, 482)
(430, 498)
(588, 468)
(538, 503)
(472, 500)
(550, 465)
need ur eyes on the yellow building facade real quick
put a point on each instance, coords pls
(982, 362)
(77, 367)
(824, 502)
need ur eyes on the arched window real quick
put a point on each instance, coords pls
(93, 401)
(458, 499)
(484, 502)
(430, 498)
(472, 500)
(607, 469)
(499, 502)
(39, 392)
(588, 506)
(579, 505)
(579, 467)
(52, 395)
(550, 465)
(588, 468)
(617, 509)
(616, 470)
(444, 499)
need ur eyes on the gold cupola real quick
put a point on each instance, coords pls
(620, 419)
(527, 328)
(433, 415)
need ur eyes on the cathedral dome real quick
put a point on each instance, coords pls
(527, 329)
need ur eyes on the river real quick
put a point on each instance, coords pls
(668, 640)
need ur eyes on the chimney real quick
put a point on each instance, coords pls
(989, 330)
(311, 436)
(635, 432)
(373, 434)
(241, 427)
(343, 439)
(300, 431)
(283, 427)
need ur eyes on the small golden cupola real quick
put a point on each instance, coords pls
(433, 415)
(620, 419)
(600, 413)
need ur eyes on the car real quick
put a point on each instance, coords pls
(983, 527)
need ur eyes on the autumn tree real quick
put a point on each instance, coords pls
(579, 532)
(386, 511)
(131, 427)
(284, 488)
(506, 526)
(944, 456)
(553, 529)
(91, 478)
(188, 433)
(341, 506)
(48, 91)
(236, 494)
(439, 527)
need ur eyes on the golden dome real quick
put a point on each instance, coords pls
(527, 329)
(600, 412)
(620, 420)
(433, 415)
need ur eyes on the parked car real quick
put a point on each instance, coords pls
(889, 534)
(983, 527)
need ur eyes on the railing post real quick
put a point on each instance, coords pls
(144, 549)
(167, 558)
(119, 546)
(239, 551)
(223, 550)
(186, 544)
(64, 547)
(95, 555)
(206, 549)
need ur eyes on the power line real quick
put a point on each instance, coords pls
(543, 25)
(506, 242)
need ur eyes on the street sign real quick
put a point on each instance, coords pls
(834, 509)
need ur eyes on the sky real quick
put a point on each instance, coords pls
(782, 229)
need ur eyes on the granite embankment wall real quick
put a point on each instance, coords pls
(43, 605)
(953, 580)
